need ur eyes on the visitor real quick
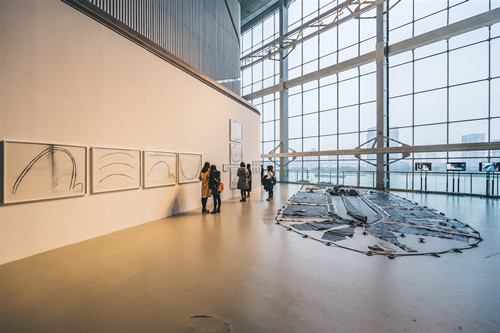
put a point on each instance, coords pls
(213, 184)
(269, 180)
(249, 178)
(242, 181)
(205, 190)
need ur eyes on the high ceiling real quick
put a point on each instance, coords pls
(253, 8)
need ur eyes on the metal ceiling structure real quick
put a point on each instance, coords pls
(255, 10)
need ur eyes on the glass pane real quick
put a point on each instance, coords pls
(400, 34)
(400, 80)
(430, 73)
(367, 26)
(294, 105)
(469, 131)
(348, 53)
(310, 101)
(268, 132)
(368, 88)
(495, 97)
(431, 22)
(310, 67)
(425, 8)
(348, 141)
(368, 116)
(430, 49)
(469, 63)
(404, 135)
(400, 111)
(268, 111)
(348, 119)
(495, 57)
(401, 13)
(311, 124)
(311, 144)
(295, 145)
(328, 142)
(495, 132)
(467, 9)
(295, 56)
(468, 38)
(348, 92)
(295, 127)
(328, 42)
(328, 122)
(469, 101)
(348, 33)
(430, 135)
(328, 60)
(311, 49)
(400, 58)
(328, 97)
(430, 107)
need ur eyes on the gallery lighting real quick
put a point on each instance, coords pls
(340, 12)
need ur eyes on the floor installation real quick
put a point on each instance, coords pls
(239, 271)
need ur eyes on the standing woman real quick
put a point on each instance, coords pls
(268, 181)
(205, 190)
(249, 178)
(214, 183)
(242, 181)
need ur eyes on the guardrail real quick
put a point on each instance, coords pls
(462, 183)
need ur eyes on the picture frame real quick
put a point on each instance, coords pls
(235, 153)
(39, 171)
(115, 169)
(159, 168)
(236, 131)
(225, 167)
(233, 176)
(189, 167)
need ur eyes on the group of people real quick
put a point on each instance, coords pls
(210, 186)
(211, 181)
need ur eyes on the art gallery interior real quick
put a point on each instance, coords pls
(381, 119)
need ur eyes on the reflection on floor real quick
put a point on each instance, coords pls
(239, 269)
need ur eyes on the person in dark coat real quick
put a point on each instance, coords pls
(242, 181)
(213, 184)
(268, 181)
(249, 168)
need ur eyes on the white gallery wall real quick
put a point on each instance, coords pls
(66, 79)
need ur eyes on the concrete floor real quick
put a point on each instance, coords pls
(242, 268)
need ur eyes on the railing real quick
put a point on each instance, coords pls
(464, 183)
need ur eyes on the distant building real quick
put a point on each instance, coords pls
(471, 138)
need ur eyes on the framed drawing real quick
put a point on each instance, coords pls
(159, 168)
(236, 134)
(236, 153)
(233, 176)
(115, 169)
(189, 167)
(37, 171)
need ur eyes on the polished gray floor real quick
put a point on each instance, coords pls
(240, 268)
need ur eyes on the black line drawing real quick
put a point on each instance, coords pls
(117, 174)
(191, 166)
(126, 164)
(170, 174)
(115, 169)
(115, 153)
(50, 150)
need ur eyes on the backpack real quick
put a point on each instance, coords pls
(273, 180)
(220, 188)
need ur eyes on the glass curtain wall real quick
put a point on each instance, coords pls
(442, 93)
